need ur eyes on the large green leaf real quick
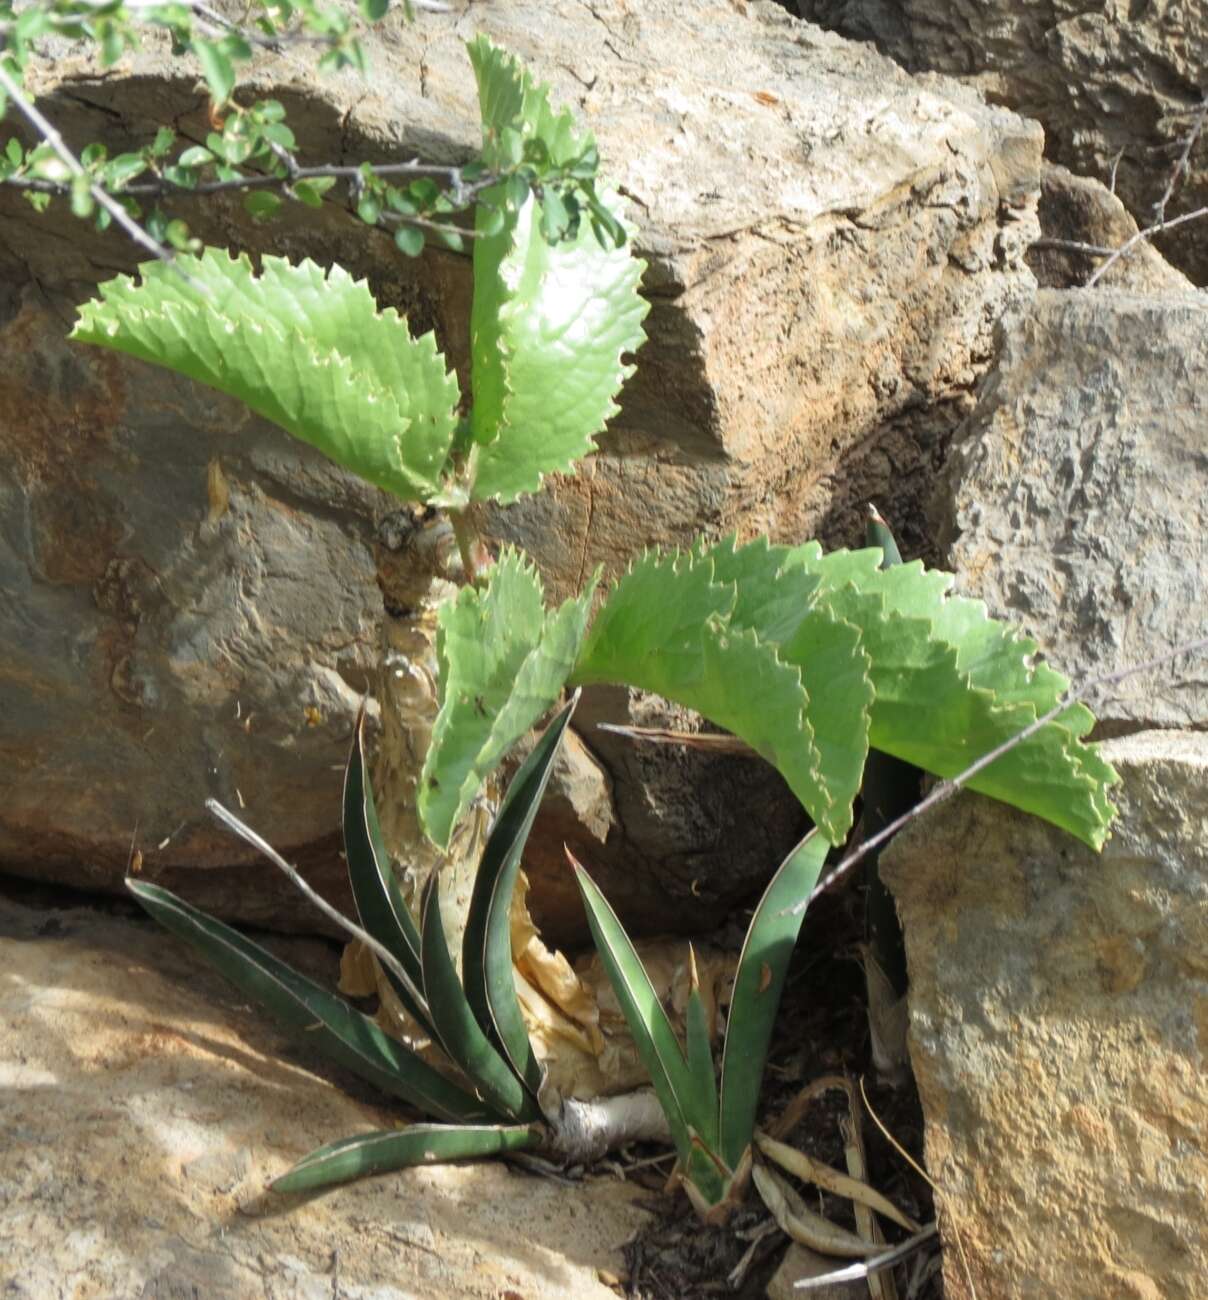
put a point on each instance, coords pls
(571, 312)
(404, 1148)
(667, 626)
(329, 1023)
(931, 712)
(380, 903)
(457, 1028)
(758, 984)
(487, 943)
(305, 348)
(550, 322)
(503, 662)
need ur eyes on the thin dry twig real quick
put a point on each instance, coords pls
(1179, 171)
(940, 1196)
(946, 789)
(1133, 240)
(380, 951)
(860, 1272)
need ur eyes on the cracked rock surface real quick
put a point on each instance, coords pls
(1116, 85)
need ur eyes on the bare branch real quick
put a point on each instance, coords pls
(1160, 222)
(1179, 170)
(1133, 240)
(946, 789)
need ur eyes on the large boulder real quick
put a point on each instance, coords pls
(1059, 1035)
(1118, 87)
(146, 1109)
(189, 596)
(1075, 501)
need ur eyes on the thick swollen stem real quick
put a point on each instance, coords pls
(419, 568)
(581, 1132)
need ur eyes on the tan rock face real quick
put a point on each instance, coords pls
(1059, 1035)
(1115, 85)
(189, 600)
(145, 1111)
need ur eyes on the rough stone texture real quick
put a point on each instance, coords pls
(1059, 1035)
(1082, 210)
(146, 1109)
(829, 246)
(1105, 80)
(1075, 500)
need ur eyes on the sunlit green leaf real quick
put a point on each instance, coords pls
(404, 1148)
(758, 984)
(304, 347)
(504, 659)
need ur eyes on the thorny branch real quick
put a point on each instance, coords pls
(946, 789)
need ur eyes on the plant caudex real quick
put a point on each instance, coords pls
(812, 659)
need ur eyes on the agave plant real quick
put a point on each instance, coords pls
(813, 660)
(711, 1126)
(487, 1095)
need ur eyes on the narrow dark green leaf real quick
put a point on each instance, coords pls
(457, 1030)
(762, 967)
(328, 1022)
(653, 1036)
(373, 10)
(380, 904)
(877, 533)
(381, 1152)
(487, 946)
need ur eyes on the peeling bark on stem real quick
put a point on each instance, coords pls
(419, 568)
(582, 1132)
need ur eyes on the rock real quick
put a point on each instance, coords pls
(801, 1264)
(173, 568)
(1074, 501)
(1080, 210)
(146, 1109)
(1059, 1035)
(1115, 86)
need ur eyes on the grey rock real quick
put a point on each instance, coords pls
(1074, 500)
(1059, 1035)
(829, 244)
(1115, 85)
